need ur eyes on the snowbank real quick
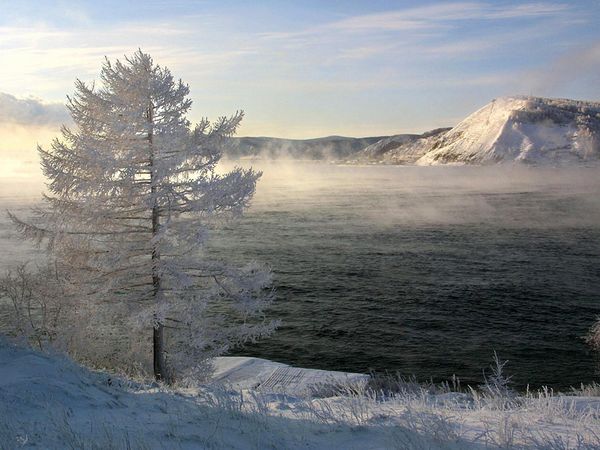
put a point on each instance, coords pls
(270, 377)
(50, 402)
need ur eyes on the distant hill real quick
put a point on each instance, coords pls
(400, 149)
(326, 148)
(524, 129)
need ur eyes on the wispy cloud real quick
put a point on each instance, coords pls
(423, 31)
(526, 11)
(431, 16)
(44, 53)
(39, 58)
(329, 67)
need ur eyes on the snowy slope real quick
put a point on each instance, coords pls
(402, 148)
(531, 130)
(50, 402)
(526, 129)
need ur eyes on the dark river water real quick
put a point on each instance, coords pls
(426, 271)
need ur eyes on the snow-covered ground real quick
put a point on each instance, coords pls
(269, 377)
(50, 402)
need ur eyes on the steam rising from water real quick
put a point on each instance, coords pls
(428, 270)
(389, 196)
(408, 195)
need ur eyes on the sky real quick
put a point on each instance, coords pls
(299, 69)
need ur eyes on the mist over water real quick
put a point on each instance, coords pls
(410, 195)
(424, 270)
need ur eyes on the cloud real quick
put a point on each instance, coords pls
(44, 59)
(527, 10)
(431, 16)
(31, 112)
(284, 71)
(26, 123)
(424, 31)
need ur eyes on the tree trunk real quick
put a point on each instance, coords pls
(160, 373)
(160, 369)
(158, 351)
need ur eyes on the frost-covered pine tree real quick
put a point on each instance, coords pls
(133, 194)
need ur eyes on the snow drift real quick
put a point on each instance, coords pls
(50, 402)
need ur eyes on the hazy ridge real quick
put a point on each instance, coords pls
(325, 148)
(531, 130)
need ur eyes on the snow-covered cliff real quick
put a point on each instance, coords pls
(525, 129)
(402, 148)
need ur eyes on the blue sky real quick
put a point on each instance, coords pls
(315, 68)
